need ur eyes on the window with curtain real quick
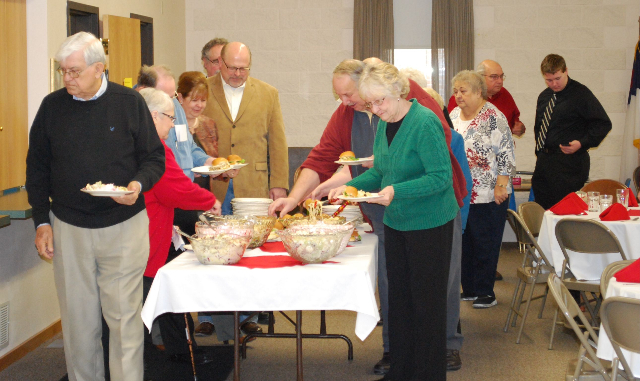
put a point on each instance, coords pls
(412, 36)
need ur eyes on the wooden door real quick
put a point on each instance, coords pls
(13, 93)
(124, 59)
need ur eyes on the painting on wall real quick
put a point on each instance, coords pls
(55, 79)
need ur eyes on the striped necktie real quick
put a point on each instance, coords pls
(546, 118)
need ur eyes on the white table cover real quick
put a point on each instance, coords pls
(185, 285)
(605, 350)
(586, 266)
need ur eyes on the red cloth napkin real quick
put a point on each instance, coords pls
(633, 201)
(630, 273)
(634, 212)
(270, 262)
(273, 247)
(571, 204)
(616, 212)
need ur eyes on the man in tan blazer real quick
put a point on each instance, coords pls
(247, 114)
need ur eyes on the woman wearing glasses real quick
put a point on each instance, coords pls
(490, 153)
(412, 167)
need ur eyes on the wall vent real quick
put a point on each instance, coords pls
(4, 325)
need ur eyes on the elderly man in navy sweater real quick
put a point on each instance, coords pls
(94, 130)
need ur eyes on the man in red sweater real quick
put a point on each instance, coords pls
(498, 95)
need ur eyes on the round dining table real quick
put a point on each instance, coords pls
(588, 266)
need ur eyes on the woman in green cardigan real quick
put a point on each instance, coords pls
(412, 168)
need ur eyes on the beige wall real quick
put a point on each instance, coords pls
(596, 38)
(295, 46)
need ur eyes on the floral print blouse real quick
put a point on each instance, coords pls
(490, 150)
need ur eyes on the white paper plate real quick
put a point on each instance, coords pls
(354, 162)
(359, 199)
(204, 170)
(106, 193)
(252, 200)
(238, 166)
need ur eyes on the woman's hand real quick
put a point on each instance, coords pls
(333, 193)
(500, 194)
(386, 196)
(368, 164)
(216, 209)
(231, 173)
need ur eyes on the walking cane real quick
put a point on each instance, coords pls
(193, 364)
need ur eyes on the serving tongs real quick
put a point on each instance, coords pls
(340, 209)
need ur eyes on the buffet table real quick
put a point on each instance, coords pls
(185, 285)
(587, 266)
(605, 350)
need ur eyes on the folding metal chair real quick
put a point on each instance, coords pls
(588, 339)
(535, 269)
(621, 322)
(609, 271)
(587, 237)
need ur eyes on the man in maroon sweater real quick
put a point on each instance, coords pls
(498, 95)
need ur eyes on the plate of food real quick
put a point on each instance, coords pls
(349, 158)
(105, 190)
(355, 195)
(236, 162)
(218, 166)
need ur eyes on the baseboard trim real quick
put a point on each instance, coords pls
(32, 343)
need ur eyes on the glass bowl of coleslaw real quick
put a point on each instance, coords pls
(225, 246)
(262, 226)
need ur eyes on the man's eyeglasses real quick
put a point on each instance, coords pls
(495, 77)
(173, 118)
(73, 73)
(377, 103)
(233, 69)
(214, 62)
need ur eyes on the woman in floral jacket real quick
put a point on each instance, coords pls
(490, 153)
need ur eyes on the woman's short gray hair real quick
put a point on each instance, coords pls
(88, 43)
(382, 79)
(416, 75)
(473, 79)
(157, 100)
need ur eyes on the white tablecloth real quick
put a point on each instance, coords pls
(185, 285)
(586, 266)
(605, 350)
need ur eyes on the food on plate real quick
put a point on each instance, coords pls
(298, 215)
(235, 159)
(348, 156)
(99, 186)
(314, 207)
(278, 225)
(355, 236)
(219, 163)
(353, 192)
(286, 216)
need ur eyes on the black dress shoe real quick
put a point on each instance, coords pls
(200, 357)
(382, 367)
(250, 327)
(498, 276)
(453, 360)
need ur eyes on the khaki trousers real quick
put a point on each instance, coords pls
(99, 271)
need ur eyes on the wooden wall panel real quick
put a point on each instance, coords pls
(124, 59)
(13, 93)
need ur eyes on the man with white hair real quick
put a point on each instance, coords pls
(498, 96)
(94, 130)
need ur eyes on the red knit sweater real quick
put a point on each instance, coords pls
(336, 139)
(174, 190)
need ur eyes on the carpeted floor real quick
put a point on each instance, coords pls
(487, 354)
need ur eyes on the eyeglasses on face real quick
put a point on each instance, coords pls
(213, 62)
(173, 118)
(233, 69)
(377, 103)
(73, 73)
(495, 77)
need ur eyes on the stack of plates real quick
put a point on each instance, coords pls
(350, 212)
(251, 206)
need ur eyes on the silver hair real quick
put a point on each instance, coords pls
(88, 43)
(415, 75)
(482, 68)
(157, 100)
